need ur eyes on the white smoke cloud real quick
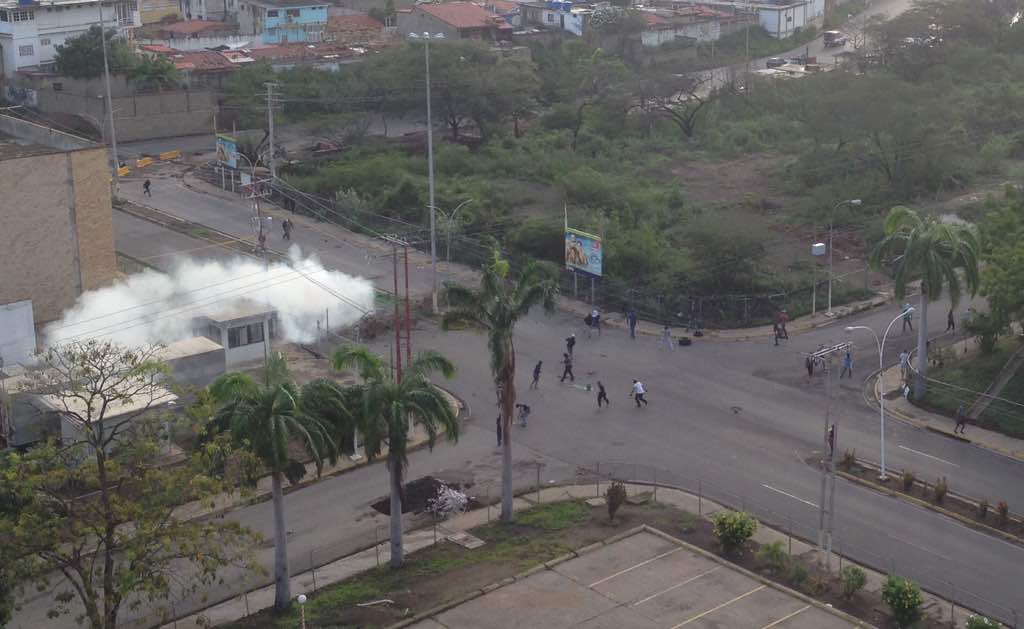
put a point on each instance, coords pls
(154, 307)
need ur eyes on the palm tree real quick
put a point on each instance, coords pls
(385, 407)
(496, 307)
(916, 246)
(266, 420)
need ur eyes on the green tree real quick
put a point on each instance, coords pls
(733, 528)
(500, 302)
(1002, 279)
(387, 406)
(97, 513)
(916, 246)
(904, 599)
(266, 421)
(82, 57)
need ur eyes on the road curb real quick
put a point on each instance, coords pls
(932, 507)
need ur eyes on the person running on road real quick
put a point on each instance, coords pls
(536, 375)
(782, 320)
(639, 391)
(776, 332)
(602, 395)
(570, 343)
(595, 320)
(905, 364)
(286, 227)
(809, 366)
(666, 339)
(524, 414)
(567, 363)
(498, 425)
(908, 317)
(950, 321)
(847, 365)
(631, 319)
(961, 420)
(145, 188)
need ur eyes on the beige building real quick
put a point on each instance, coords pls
(56, 222)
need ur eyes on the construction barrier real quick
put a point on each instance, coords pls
(123, 170)
(170, 155)
(142, 163)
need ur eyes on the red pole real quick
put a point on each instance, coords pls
(408, 317)
(398, 321)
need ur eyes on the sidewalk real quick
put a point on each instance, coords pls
(898, 406)
(379, 554)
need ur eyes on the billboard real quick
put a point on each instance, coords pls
(583, 252)
(227, 151)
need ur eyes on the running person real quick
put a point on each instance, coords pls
(639, 391)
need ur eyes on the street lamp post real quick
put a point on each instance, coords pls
(450, 220)
(831, 220)
(426, 37)
(883, 475)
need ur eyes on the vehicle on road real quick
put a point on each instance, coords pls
(775, 62)
(834, 39)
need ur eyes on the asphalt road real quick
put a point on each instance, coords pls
(740, 416)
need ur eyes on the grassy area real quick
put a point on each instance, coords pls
(976, 372)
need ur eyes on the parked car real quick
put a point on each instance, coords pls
(834, 39)
(775, 62)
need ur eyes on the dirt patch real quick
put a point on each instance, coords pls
(418, 493)
(750, 181)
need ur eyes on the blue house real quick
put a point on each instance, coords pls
(283, 21)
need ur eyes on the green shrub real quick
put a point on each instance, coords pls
(733, 528)
(774, 555)
(907, 479)
(614, 496)
(797, 573)
(981, 622)
(853, 579)
(849, 460)
(904, 599)
(940, 490)
(982, 509)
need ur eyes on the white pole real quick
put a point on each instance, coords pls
(430, 170)
(110, 101)
(829, 312)
(270, 128)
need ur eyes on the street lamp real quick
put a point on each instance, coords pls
(302, 609)
(450, 220)
(426, 37)
(831, 220)
(881, 393)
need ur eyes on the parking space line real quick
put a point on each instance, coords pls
(639, 565)
(929, 456)
(677, 585)
(789, 495)
(715, 609)
(786, 617)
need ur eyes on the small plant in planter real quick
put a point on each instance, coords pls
(982, 509)
(733, 529)
(615, 496)
(853, 578)
(907, 480)
(904, 599)
(940, 490)
(981, 622)
(1003, 510)
(849, 460)
(797, 573)
(774, 555)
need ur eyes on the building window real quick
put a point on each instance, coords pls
(551, 17)
(272, 326)
(292, 12)
(23, 16)
(45, 41)
(3, 16)
(254, 331)
(272, 13)
(236, 336)
(26, 51)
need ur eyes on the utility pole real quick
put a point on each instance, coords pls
(110, 101)
(826, 505)
(398, 321)
(270, 128)
(430, 184)
(408, 318)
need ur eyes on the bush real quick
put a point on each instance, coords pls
(797, 573)
(907, 478)
(981, 622)
(982, 509)
(853, 579)
(733, 528)
(774, 555)
(1003, 510)
(615, 496)
(904, 599)
(940, 490)
(849, 460)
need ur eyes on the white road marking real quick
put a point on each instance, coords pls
(786, 617)
(677, 585)
(929, 456)
(785, 493)
(921, 548)
(716, 608)
(639, 565)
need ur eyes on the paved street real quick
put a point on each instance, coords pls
(741, 416)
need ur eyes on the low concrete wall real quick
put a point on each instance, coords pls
(198, 369)
(45, 136)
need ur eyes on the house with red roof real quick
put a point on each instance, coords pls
(454, 20)
(356, 28)
(192, 29)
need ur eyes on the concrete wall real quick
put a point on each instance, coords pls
(199, 369)
(201, 43)
(57, 237)
(419, 21)
(38, 134)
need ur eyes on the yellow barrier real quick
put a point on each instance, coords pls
(122, 171)
(170, 155)
(142, 163)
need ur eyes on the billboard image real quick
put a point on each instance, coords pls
(583, 252)
(227, 151)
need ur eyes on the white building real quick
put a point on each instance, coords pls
(245, 331)
(781, 18)
(30, 31)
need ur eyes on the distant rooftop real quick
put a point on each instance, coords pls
(20, 138)
(283, 4)
(243, 309)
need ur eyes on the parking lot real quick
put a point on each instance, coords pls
(644, 582)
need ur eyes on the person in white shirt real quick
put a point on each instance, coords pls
(905, 364)
(639, 391)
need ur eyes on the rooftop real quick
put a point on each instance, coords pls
(201, 61)
(462, 14)
(188, 347)
(341, 23)
(285, 4)
(301, 52)
(189, 27)
(21, 138)
(157, 397)
(14, 148)
(242, 309)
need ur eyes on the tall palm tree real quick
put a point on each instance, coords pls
(385, 407)
(496, 307)
(265, 420)
(916, 246)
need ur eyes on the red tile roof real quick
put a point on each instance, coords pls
(158, 48)
(201, 61)
(502, 7)
(461, 14)
(189, 27)
(653, 20)
(300, 52)
(356, 23)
